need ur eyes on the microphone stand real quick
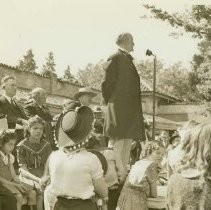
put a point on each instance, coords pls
(149, 53)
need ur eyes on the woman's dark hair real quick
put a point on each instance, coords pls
(32, 121)
(6, 136)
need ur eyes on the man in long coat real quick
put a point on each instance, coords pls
(122, 94)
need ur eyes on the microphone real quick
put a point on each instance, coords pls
(149, 53)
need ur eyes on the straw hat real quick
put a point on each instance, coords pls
(85, 91)
(73, 127)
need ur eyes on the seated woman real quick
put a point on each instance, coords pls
(32, 154)
(190, 188)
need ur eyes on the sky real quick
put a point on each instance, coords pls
(84, 31)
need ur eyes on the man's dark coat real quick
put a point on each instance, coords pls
(122, 94)
(13, 112)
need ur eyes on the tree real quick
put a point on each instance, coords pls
(175, 80)
(199, 68)
(68, 76)
(49, 66)
(92, 75)
(145, 68)
(27, 63)
(197, 20)
(204, 76)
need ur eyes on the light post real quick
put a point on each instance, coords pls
(149, 53)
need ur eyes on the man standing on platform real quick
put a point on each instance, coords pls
(122, 95)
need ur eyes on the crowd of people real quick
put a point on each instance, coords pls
(82, 159)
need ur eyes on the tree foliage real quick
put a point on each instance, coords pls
(92, 75)
(145, 68)
(67, 74)
(204, 76)
(174, 79)
(27, 63)
(197, 20)
(49, 66)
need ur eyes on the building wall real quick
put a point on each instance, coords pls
(175, 112)
(56, 89)
(147, 104)
(59, 90)
(184, 112)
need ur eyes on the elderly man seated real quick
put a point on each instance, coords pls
(36, 105)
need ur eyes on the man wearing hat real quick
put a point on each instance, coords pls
(75, 174)
(85, 95)
(122, 95)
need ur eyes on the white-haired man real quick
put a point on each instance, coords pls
(36, 105)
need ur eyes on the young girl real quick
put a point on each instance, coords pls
(141, 181)
(8, 178)
(32, 154)
(191, 188)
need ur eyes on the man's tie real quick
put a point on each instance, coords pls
(12, 102)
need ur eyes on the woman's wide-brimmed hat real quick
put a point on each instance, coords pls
(73, 127)
(85, 91)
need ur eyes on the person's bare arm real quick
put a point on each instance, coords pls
(25, 173)
(46, 175)
(14, 175)
(102, 191)
(101, 187)
(17, 185)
